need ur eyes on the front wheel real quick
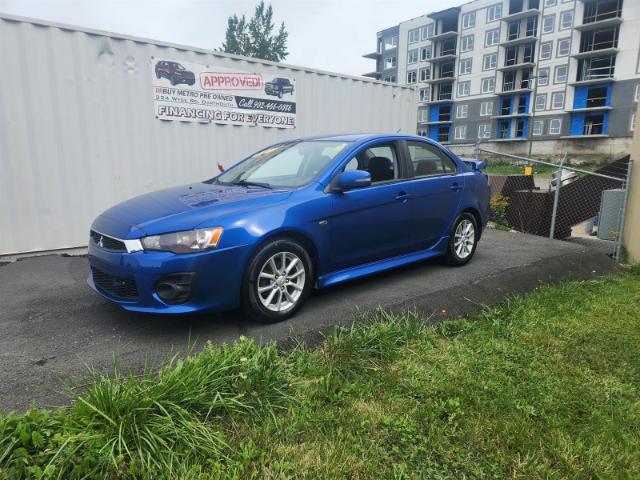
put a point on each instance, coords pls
(278, 281)
(463, 240)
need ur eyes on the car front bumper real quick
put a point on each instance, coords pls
(130, 279)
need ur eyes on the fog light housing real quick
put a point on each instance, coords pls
(176, 288)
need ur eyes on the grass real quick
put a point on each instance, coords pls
(545, 386)
(505, 166)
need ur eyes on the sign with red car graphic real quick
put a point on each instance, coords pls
(193, 92)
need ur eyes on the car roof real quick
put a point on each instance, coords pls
(362, 137)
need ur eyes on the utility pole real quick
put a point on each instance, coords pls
(534, 78)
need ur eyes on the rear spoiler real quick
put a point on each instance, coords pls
(474, 164)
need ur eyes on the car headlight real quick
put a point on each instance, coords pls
(184, 242)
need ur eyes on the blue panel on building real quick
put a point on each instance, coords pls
(434, 112)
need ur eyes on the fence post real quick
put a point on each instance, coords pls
(477, 150)
(616, 253)
(556, 197)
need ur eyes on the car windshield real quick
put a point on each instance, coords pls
(288, 165)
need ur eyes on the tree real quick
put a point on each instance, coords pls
(256, 38)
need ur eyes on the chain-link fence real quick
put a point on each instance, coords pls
(570, 200)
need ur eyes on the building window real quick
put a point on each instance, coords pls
(557, 100)
(464, 89)
(632, 125)
(466, 66)
(541, 102)
(490, 61)
(412, 56)
(414, 35)
(560, 74)
(426, 31)
(491, 37)
(548, 23)
(546, 50)
(412, 76)
(390, 78)
(466, 43)
(390, 42)
(423, 115)
(554, 126)
(564, 46)
(460, 132)
(484, 130)
(390, 62)
(538, 127)
(486, 109)
(566, 20)
(462, 111)
(469, 20)
(543, 77)
(494, 12)
(636, 95)
(426, 53)
(488, 85)
(425, 74)
(550, 3)
(424, 94)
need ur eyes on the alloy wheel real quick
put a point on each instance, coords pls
(464, 238)
(281, 281)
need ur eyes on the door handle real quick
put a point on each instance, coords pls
(456, 187)
(403, 196)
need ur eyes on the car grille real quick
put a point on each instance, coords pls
(108, 243)
(123, 288)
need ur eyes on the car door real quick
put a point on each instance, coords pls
(435, 188)
(373, 222)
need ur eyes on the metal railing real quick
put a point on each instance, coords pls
(566, 197)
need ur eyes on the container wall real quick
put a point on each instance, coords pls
(78, 131)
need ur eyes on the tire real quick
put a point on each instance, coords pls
(462, 240)
(268, 296)
(157, 75)
(280, 94)
(173, 81)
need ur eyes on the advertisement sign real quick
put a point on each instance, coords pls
(193, 92)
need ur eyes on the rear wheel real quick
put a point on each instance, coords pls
(278, 281)
(463, 240)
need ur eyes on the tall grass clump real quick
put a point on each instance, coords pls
(160, 424)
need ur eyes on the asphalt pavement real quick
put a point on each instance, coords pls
(53, 329)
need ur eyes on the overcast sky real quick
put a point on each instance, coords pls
(325, 34)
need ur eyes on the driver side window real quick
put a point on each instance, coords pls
(381, 161)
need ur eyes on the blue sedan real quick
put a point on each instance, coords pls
(298, 215)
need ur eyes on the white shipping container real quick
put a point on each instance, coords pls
(79, 133)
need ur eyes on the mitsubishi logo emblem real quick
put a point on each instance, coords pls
(100, 244)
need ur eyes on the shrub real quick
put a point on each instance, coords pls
(498, 205)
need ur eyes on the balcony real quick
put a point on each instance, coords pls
(375, 75)
(442, 58)
(598, 10)
(521, 14)
(595, 53)
(516, 66)
(373, 55)
(444, 36)
(515, 91)
(518, 41)
(607, 22)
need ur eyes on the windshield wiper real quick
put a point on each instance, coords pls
(248, 183)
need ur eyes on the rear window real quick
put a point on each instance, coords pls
(428, 159)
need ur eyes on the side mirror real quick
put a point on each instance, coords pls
(350, 180)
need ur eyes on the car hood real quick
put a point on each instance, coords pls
(182, 208)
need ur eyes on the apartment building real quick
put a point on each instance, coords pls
(563, 74)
